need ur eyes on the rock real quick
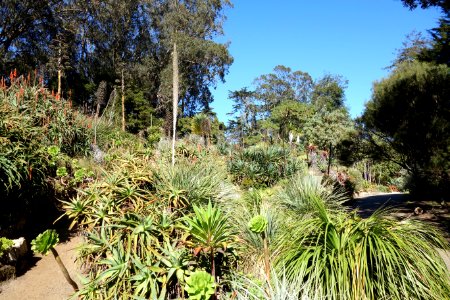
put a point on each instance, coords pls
(97, 154)
(7, 272)
(418, 211)
(17, 251)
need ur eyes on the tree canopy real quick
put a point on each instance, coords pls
(95, 41)
(410, 111)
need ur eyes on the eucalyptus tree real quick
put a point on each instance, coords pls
(282, 84)
(245, 112)
(26, 29)
(329, 92)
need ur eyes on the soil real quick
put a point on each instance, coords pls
(44, 280)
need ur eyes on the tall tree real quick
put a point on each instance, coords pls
(329, 92)
(26, 31)
(410, 112)
(192, 25)
(412, 4)
(283, 84)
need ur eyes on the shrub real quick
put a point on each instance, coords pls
(263, 166)
(32, 121)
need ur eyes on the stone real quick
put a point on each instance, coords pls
(17, 251)
(7, 272)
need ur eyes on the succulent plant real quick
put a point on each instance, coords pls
(200, 285)
(45, 241)
(257, 224)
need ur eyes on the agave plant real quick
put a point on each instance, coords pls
(263, 166)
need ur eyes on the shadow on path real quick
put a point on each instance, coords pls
(402, 206)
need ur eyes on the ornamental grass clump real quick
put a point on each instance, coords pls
(338, 255)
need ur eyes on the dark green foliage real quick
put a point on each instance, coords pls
(91, 42)
(412, 4)
(32, 120)
(410, 112)
(263, 166)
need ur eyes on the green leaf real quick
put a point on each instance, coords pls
(45, 241)
(258, 224)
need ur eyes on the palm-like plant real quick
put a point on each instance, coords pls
(210, 231)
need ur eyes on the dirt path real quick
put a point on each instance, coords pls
(45, 281)
(402, 207)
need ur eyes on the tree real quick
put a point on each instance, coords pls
(412, 4)
(245, 110)
(282, 84)
(413, 49)
(192, 25)
(289, 117)
(329, 92)
(410, 112)
(440, 50)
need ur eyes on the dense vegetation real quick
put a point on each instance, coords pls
(252, 211)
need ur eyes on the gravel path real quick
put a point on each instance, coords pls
(45, 281)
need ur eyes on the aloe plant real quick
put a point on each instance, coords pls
(47, 241)
(200, 285)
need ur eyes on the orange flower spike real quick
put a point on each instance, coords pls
(15, 73)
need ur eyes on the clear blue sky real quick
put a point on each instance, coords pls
(354, 38)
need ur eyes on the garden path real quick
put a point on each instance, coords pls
(402, 207)
(44, 280)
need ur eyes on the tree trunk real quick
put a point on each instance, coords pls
(330, 156)
(64, 270)
(59, 71)
(175, 98)
(266, 257)
(123, 103)
(213, 269)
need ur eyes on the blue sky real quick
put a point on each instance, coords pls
(354, 38)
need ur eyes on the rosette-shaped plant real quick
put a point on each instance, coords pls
(45, 242)
(200, 285)
(257, 224)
